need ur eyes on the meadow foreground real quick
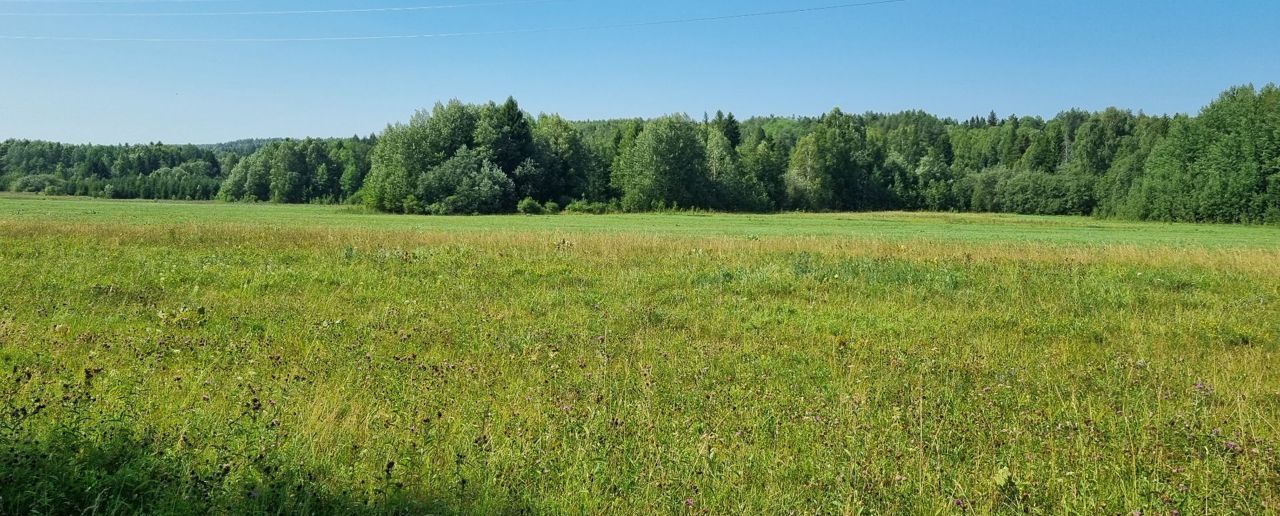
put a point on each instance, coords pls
(196, 358)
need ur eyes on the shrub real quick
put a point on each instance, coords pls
(582, 206)
(465, 184)
(38, 183)
(1038, 193)
(356, 198)
(528, 206)
(551, 207)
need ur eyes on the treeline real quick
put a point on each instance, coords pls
(187, 172)
(461, 159)
(1220, 166)
(243, 147)
(300, 171)
(154, 171)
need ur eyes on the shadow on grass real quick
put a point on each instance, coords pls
(116, 472)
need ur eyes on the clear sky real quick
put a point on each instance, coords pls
(951, 57)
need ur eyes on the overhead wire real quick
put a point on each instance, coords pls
(504, 32)
(353, 10)
(90, 2)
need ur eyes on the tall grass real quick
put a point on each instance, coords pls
(154, 364)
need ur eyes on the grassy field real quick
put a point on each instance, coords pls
(961, 228)
(214, 358)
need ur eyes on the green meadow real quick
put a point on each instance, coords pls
(197, 358)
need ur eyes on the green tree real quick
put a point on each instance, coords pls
(288, 174)
(1097, 141)
(767, 161)
(831, 167)
(504, 132)
(935, 179)
(1219, 166)
(563, 160)
(1045, 151)
(397, 163)
(666, 167)
(737, 189)
(465, 184)
(257, 182)
(601, 186)
(728, 126)
(405, 152)
(808, 180)
(1115, 187)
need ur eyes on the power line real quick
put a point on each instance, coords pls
(83, 2)
(276, 13)
(655, 23)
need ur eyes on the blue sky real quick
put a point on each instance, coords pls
(951, 57)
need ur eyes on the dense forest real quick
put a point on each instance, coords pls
(296, 171)
(1222, 165)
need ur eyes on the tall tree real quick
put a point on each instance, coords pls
(736, 189)
(666, 167)
(728, 126)
(564, 161)
(767, 160)
(288, 174)
(407, 151)
(503, 131)
(831, 167)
